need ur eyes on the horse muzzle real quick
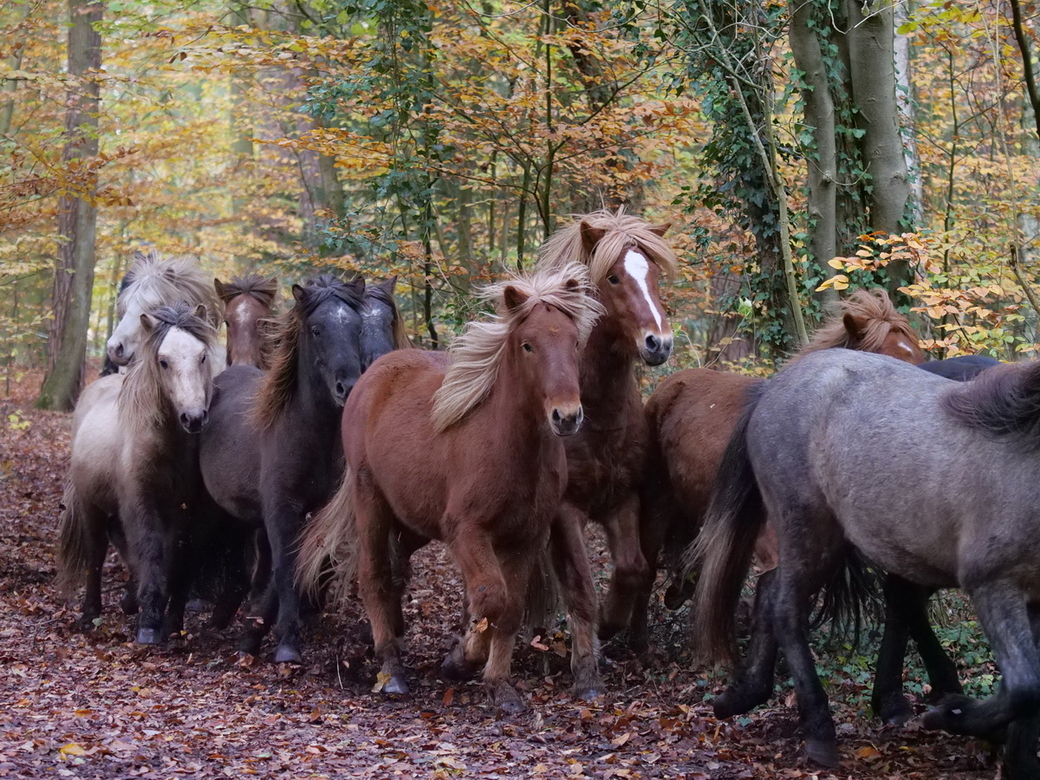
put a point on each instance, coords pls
(655, 349)
(118, 353)
(194, 422)
(566, 422)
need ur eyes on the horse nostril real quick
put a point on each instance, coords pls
(204, 418)
(653, 343)
(119, 350)
(556, 416)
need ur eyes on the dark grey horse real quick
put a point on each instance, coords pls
(842, 464)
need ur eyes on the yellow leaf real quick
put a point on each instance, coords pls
(482, 626)
(836, 262)
(868, 752)
(381, 680)
(72, 749)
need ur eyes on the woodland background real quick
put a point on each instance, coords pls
(441, 141)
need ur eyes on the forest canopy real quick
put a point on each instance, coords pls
(798, 150)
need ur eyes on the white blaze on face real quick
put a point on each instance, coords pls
(638, 268)
(187, 377)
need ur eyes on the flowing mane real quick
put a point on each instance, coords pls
(141, 402)
(876, 317)
(621, 230)
(158, 281)
(253, 285)
(1003, 401)
(477, 353)
(279, 382)
(400, 332)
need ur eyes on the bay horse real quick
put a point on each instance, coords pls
(248, 301)
(157, 281)
(272, 452)
(691, 415)
(130, 477)
(465, 448)
(626, 257)
(831, 452)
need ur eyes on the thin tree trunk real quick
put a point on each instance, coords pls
(77, 216)
(819, 118)
(8, 86)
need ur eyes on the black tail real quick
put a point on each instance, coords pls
(850, 598)
(726, 543)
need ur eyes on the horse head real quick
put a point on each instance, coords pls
(177, 345)
(247, 301)
(379, 322)
(629, 288)
(330, 332)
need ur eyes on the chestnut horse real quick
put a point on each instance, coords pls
(691, 415)
(248, 301)
(465, 449)
(626, 257)
(130, 479)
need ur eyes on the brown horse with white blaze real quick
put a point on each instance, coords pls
(626, 257)
(248, 301)
(464, 448)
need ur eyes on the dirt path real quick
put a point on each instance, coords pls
(95, 706)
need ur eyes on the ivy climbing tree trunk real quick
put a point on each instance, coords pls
(77, 214)
(819, 121)
(871, 41)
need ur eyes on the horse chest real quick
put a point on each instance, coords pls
(603, 465)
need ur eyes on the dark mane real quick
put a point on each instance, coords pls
(256, 286)
(1003, 401)
(874, 312)
(279, 382)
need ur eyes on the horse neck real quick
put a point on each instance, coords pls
(606, 370)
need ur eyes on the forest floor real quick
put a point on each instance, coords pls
(94, 705)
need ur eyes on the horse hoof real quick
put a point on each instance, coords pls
(128, 604)
(822, 751)
(730, 703)
(396, 686)
(287, 654)
(507, 700)
(456, 667)
(590, 693)
(149, 636)
(895, 711)
(677, 595)
(948, 715)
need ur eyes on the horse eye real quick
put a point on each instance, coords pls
(203, 360)
(528, 347)
(613, 280)
(163, 364)
(315, 332)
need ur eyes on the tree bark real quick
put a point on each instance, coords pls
(871, 40)
(819, 118)
(77, 215)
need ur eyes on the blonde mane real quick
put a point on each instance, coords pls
(874, 310)
(621, 231)
(279, 382)
(142, 404)
(477, 353)
(166, 281)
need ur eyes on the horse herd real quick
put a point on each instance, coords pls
(320, 446)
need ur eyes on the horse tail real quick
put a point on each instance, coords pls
(76, 541)
(724, 547)
(327, 547)
(850, 598)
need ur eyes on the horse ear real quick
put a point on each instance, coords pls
(299, 293)
(389, 284)
(660, 230)
(200, 311)
(590, 236)
(513, 298)
(572, 285)
(853, 325)
(357, 284)
(221, 290)
(148, 322)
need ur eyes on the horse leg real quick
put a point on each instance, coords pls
(376, 581)
(149, 548)
(571, 564)
(516, 570)
(96, 541)
(1020, 759)
(283, 519)
(1005, 619)
(653, 529)
(631, 571)
(752, 682)
(179, 579)
(262, 614)
(128, 603)
(791, 629)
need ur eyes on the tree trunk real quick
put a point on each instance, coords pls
(77, 215)
(872, 69)
(819, 119)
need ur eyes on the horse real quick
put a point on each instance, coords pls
(248, 301)
(626, 257)
(843, 466)
(691, 415)
(130, 477)
(382, 326)
(157, 281)
(272, 452)
(464, 448)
